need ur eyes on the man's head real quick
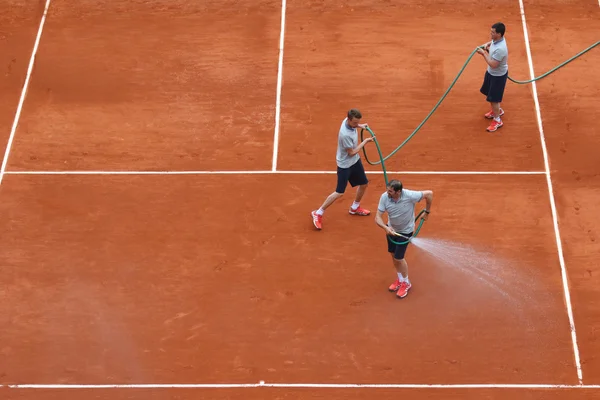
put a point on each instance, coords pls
(497, 31)
(394, 189)
(354, 117)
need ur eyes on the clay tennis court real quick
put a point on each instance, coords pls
(158, 178)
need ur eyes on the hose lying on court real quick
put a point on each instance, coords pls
(382, 159)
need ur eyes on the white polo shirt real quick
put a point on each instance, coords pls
(401, 213)
(499, 52)
(347, 139)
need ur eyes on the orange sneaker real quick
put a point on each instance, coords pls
(494, 126)
(490, 114)
(403, 290)
(359, 211)
(317, 220)
(394, 286)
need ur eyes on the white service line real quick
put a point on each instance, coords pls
(23, 92)
(262, 384)
(561, 259)
(269, 172)
(279, 83)
(425, 172)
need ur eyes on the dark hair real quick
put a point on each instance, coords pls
(354, 113)
(395, 184)
(499, 27)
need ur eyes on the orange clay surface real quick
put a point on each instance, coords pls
(222, 278)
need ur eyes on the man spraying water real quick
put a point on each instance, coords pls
(399, 204)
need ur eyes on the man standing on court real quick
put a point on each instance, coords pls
(495, 54)
(399, 203)
(349, 167)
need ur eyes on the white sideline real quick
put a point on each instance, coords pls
(23, 92)
(561, 259)
(279, 83)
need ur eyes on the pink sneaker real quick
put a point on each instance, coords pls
(494, 126)
(359, 211)
(403, 290)
(394, 286)
(317, 220)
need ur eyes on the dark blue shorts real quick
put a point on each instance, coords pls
(355, 175)
(398, 250)
(493, 87)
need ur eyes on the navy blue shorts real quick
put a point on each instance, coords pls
(493, 87)
(398, 250)
(355, 175)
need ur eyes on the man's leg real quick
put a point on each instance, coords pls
(397, 252)
(405, 285)
(402, 284)
(358, 177)
(486, 90)
(317, 215)
(360, 192)
(497, 85)
(355, 208)
(332, 198)
(401, 268)
(392, 249)
(495, 115)
(342, 181)
(497, 111)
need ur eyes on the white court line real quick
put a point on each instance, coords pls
(561, 259)
(279, 83)
(23, 92)
(269, 172)
(299, 385)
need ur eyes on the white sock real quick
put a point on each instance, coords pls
(400, 277)
(497, 118)
(355, 205)
(320, 211)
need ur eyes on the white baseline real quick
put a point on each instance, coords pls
(263, 384)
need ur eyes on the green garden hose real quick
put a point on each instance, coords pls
(419, 225)
(383, 159)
